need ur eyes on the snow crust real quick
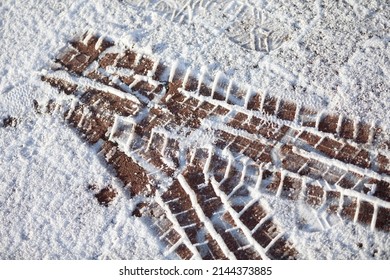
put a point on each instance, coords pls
(334, 56)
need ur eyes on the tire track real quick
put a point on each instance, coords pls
(202, 150)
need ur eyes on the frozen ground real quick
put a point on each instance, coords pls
(331, 55)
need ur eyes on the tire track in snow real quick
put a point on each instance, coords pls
(203, 151)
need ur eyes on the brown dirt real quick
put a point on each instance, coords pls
(10, 122)
(173, 110)
(106, 196)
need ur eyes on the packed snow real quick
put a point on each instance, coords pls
(330, 55)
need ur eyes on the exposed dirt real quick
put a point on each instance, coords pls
(106, 195)
(10, 122)
(142, 134)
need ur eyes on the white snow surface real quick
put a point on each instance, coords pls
(331, 55)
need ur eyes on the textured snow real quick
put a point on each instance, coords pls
(47, 212)
(335, 56)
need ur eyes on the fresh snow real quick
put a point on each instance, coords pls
(330, 55)
(47, 212)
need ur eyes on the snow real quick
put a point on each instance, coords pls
(208, 225)
(248, 234)
(84, 82)
(47, 212)
(331, 55)
(178, 228)
(340, 240)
